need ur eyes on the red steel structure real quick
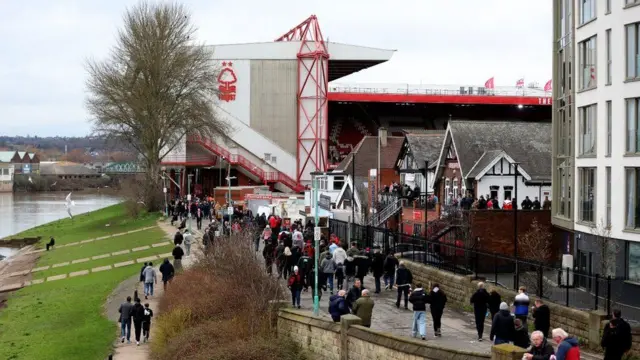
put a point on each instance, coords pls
(312, 98)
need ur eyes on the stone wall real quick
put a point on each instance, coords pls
(326, 340)
(460, 288)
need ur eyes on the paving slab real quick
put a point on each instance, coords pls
(120, 252)
(11, 287)
(79, 273)
(57, 277)
(103, 256)
(33, 282)
(42, 268)
(36, 251)
(19, 273)
(72, 244)
(148, 258)
(101, 268)
(103, 237)
(60, 264)
(140, 248)
(161, 244)
(78, 261)
(124, 263)
(166, 255)
(87, 241)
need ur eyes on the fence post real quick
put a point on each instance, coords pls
(495, 267)
(567, 286)
(595, 306)
(540, 281)
(609, 296)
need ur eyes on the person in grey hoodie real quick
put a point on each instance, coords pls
(188, 240)
(126, 312)
(339, 257)
(149, 280)
(327, 268)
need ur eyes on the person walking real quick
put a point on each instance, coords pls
(521, 304)
(339, 257)
(404, 278)
(149, 280)
(188, 240)
(146, 322)
(295, 284)
(390, 265)
(616, 337)
(327, 268)
(377, 268)
(338, 306)
(363, 308)
(138, 315)
(437, 299)
(142, 272)
(494, 303)
(419, 299)
(502, 327)
(480, 300)
(168, 271)
(199, 215)
(541, 317)
(178, 238)
(177, 253)
(126, 312)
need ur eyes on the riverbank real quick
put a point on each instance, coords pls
(60, 314)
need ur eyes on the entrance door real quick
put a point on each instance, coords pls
(583, 265)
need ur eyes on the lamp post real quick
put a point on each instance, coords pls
(189, 199)
(426, 198)
(353, 196)
(514, 199)
(164, 190)
(230, 207)
(316, 237)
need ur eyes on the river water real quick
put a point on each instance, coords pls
(21, 211)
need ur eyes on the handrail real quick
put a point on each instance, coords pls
(386, 213)
(424, 89)
(237, 159)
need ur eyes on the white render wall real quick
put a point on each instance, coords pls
(616, 92)
(485, 183)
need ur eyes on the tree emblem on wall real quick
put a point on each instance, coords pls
(227, 80)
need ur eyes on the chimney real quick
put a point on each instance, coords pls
(382, 134)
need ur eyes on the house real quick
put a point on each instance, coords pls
(480, 157)
(26, 163)
(352, 204)
(6, 170)
(418, 151)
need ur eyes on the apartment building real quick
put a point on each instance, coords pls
(596, 136)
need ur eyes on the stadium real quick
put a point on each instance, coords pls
(291, 116)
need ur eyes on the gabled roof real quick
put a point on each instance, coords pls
(528, 143)
(488, 160)
(7, 156)
(347, 188)
(366, 155)
(425, 147)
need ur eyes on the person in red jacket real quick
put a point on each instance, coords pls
(295, 284)
(568, 347)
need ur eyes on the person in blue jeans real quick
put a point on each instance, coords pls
(419, 299)
(503, 326)
(295, 284)
(126, 312)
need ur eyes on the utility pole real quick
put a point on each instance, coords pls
(164, 189)
(189, 199)
(230, 207)
(353, 197)
(514, 199)
(426, 197)
(316, 236)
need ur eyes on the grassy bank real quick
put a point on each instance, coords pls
(64, 319)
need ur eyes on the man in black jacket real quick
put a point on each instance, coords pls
(363, 263)
(419, 300)
(437, 299)
(541, 318)
(404, 278)
(479, 300)
(354, 293)
(177, 238)
(616, 337)
(377, 268)
(390, 265)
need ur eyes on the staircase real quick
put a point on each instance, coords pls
(387, 212)
(240, 158)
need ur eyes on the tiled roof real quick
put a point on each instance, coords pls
(366, 155)
(487, 158)
(6, 156)
(528, 143)
(425, 147)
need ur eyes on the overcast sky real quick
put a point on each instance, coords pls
(46, 42)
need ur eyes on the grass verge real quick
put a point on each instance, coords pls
(218, 309)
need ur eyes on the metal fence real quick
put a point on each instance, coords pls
(443, 248)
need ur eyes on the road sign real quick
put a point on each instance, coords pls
(317, 233)
(230, 210)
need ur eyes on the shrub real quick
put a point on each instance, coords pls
(228, 295)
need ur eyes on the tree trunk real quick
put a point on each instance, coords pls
(152, 190)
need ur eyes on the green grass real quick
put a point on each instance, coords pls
(102, 262)
(100, 247)
(61, 319)
(89, 225)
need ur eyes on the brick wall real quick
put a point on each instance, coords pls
(388, 177)
(411, 216)
(326, 340)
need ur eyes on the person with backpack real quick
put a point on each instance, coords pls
(146, 322)
(288, 262)
(295, 284)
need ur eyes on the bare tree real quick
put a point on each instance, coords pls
(156, 87)
(535, 245)
(607, 247)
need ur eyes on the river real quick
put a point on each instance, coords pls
(21, 211)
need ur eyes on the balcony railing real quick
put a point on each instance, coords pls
(424, 89)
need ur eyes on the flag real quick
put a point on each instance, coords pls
(547, 86)
(489, 84)
(520, 83)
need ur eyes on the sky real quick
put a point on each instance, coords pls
(46, 43)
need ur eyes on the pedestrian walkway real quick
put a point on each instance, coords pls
(142, 352)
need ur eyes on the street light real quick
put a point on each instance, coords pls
(189, 199)
(164, 190)
(230, 207)
(514, 199)
(317, 233)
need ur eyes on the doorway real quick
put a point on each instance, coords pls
(583, 265)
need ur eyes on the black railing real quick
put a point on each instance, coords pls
(446, 248)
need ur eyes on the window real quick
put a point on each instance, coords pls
(494, 191)
(609, 124)
(5, 171)
(455, 188)
(633, 122)
(322, 183)
(587, 10)
(633, 261)
(508, 191)
(587, 141)
(587, 190)
(587, 63)
(632, 48)
(608, 50)
(608, 196)
(632, 176)
(338, 182)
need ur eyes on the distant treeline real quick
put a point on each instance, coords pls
(90, 143)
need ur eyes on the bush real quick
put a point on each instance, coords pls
(227, 296)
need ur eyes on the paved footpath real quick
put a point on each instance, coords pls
(131, 351)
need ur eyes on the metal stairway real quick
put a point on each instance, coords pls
(379, 217)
